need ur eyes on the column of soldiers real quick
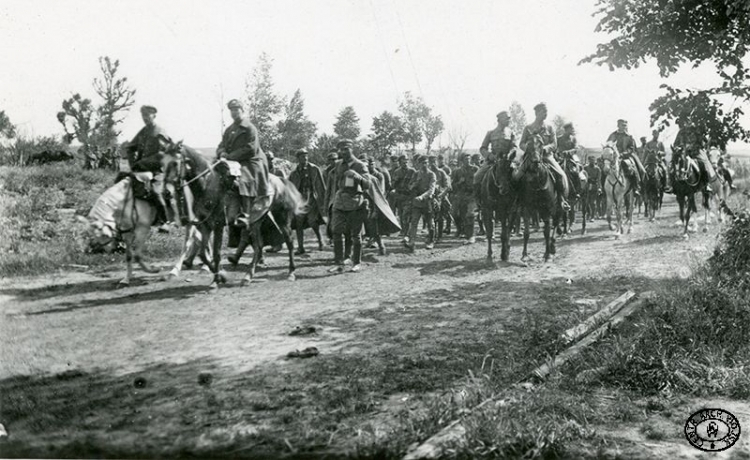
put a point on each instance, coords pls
(428, 190)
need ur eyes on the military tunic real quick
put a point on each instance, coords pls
(147, 148)
(422, 189)
(464, 202)
(241, 143)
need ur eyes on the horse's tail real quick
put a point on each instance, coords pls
(294, 197)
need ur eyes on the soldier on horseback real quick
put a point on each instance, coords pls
(627, 148)
(497, 143)
(145, 153)
(689, 142)
(241, 143)
(657, 146)
(567, 147)
(549, 144)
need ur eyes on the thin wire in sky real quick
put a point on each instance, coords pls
(408, 51)
(385, 50)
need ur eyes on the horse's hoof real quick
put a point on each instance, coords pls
(187, 266)
(205, 268)
(213, 287)
(233, 260)
(246, 281)
(291, 277)
(685, 236)
(488, 259)
(123, 283)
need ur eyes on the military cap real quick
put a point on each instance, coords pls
(148, 109)
(540, 106)
(622, 121)
(475, 155)
(345, 143)
(302, 151)
(592, 159)
(270, 155)
(418, 158)
(333, 156)
(567, 125)
(503, 114)
(402, 157)
(234, 104)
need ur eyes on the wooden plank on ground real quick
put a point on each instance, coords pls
(455, 431)
(575, 333)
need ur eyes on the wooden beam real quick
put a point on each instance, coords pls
(575, 333)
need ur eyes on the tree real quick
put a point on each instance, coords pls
(558, 121)
(433, 126)
(7, 129)
(387, 132)
(264, 105)
(413, 111)
(347, 124)
(457, 137)
(95, 127)
(684, 32)
(118, 97)
(517, 119)
(295, 130)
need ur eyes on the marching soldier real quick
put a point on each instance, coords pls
(441, 205)
(350, 206)
(464, 203)
(402, 178)
(145, 153)
(308, 179)
(422, 189)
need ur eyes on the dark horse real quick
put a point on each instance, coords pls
(538, 193)
(653, 187)
(579, 182)
(497, 199)
(209, 184)
(688, 180)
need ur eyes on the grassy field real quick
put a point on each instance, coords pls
(39, 227)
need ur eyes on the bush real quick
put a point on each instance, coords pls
(39, 227)
(693, 336)
(21, 150)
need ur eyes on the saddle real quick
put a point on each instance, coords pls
(142, 185)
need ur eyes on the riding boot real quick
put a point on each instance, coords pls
(246, 204)
(637, 184)
(189, 203)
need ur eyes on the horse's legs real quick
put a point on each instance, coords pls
(526, 219)
(187, 247)
(505, 235)
(629, 212)
(316, 230)
(139, 239)
(301, 239)
(489, 228)
(257, 251)
(610, 205)
(241, 246)
(549, 234)
(128, 237)
(286, 232)
(219, 275)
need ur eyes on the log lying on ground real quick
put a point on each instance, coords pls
(575, 333)
(455, 431)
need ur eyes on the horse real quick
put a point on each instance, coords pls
(210, 208)
(578, 179)
(653, 188)
(274, 227)
(619, 189)
(497, 198)
(187, 170)
(539, 194)
(688, 180)
(124, 210)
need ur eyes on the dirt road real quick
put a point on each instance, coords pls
(79, 322)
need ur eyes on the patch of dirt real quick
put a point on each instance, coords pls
(79, 321)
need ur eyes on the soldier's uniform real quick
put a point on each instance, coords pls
(350, 206)
(402, 177)
(566, 146)
(464, 202)
(421, 189)
(497, 143)
(695, 150)
(241, 143)
(441, 205)
(145, 154)
(626, 146)
(309, 181)
(549, 145)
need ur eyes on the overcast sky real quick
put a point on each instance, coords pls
(467, 59)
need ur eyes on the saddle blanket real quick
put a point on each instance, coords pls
(108, 208)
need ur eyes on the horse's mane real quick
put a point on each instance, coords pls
(197, 161)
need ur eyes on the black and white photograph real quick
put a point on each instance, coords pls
(375, 229)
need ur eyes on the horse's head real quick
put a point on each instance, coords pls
(534, 151)
(173, 162)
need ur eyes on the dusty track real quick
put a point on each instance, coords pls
(75, 320)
